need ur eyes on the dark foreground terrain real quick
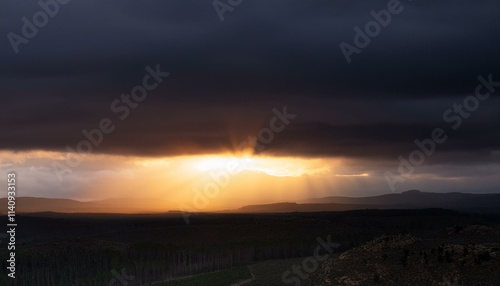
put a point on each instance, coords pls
(363, 247)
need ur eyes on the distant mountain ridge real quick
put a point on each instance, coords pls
(412, 199)
(407, 200)
(35, 205)
(415, 198)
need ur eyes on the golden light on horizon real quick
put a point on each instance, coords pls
(167, 181)
(272, 166)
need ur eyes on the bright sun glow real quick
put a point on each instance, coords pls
(220, 163)
(276, 167)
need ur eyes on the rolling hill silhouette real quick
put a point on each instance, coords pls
(412, 199)
(407, 200)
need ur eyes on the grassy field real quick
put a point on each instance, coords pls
(268, 273)
(219, 278)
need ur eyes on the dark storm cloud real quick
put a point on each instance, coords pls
(227, 76)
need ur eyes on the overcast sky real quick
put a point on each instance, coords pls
(227, 76)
